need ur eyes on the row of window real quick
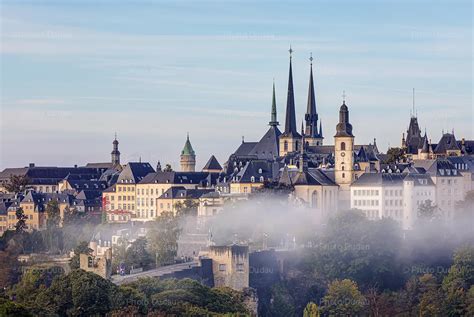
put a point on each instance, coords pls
(366, 202)
(366, 192)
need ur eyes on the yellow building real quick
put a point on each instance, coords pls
(154, 185)
(179, 195)
(122, 195)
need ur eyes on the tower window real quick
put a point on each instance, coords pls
(296, 146)
(342, 167)
(285, 145)
(343, 146)
(343, 175)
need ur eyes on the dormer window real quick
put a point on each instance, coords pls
(252, 179)
(260, 171)
(262, 179)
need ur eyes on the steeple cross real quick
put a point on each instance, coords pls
(291, 51)
(344, 96)
(311, 57)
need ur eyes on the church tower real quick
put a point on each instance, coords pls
(290, 139)
(188, 157)
(343, 154)
(115, 154)
(312, 136)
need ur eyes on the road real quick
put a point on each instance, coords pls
(118, 279)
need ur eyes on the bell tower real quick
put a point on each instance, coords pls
(343, 155)
(115, 154)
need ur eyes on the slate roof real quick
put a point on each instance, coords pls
(438, 167)
(179, 192)
(447, 143)
(245, 148)
(198, 178)
(212, 164)
(268, 146)
(313, 177)
(134, 172)
(379, 179)
(257, 168)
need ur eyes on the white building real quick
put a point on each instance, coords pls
(392, 195)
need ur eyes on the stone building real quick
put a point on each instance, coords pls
(230, 266)
(98, 264)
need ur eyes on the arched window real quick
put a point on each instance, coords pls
(342, 167)
(296, 146)
(343, 146)
(262, 179)
(343, 175)
(285, 146)
(252, 179)
(314, 199)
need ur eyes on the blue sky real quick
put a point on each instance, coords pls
(75, 72)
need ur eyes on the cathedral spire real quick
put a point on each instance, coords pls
(311, 116)
(273, 122)
(290, 120)
(321, 128)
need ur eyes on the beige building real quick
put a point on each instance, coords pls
(179, 195)
(343, 154)
(154, 185)
(122, 195)
(97, 264)
(230, 266)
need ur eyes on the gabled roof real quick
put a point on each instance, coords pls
(134, 172)
(437, 167)
(176, 178)
(313, 177)
(212, 164)
(245, 148)
(257, 169)
(447, 143)
(268, 146)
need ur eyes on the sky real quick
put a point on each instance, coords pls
(74, 73)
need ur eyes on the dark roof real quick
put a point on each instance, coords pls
(385, 179)
(438, 167)
(257, 169)
(268, 146)
(314, 177)
(4, 205)
(212, 164)
(134, 172)
(177, 178)
(447, 143)
(179, 192)
(245, 148)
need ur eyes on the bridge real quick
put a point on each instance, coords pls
(158, 272)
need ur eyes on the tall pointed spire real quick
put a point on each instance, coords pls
(115, 154)
(311, 116)
(321, 128)
(290, 120)
(273, 122)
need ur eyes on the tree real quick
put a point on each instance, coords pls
(81, 248)
(163, 238)
(343, 299)
(53, 213)
(460, 278)
(72, 217)
(395, 155)
(17, 183)
(427, 211)
(52, 235)
(311, 310)
(168, 168)
(186, 208)
(432, 298)
(20, 225)
(137, 255)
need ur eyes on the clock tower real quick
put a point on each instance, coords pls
(343, 155)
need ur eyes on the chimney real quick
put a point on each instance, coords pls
(32, 165)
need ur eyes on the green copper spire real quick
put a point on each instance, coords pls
(274, 121)
(188, 149)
